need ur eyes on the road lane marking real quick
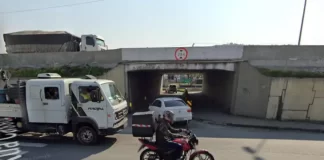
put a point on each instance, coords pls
(38, 145)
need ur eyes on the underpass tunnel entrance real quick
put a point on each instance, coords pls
(210, 90)
(218, 91)
(144, 86)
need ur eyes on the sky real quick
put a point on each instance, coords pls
(171, 23)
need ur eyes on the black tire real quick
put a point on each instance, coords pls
(147, 152)
(87, 135)
(197, 153)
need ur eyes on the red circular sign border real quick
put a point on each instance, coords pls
(175, 54)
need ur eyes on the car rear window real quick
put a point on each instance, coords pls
(174, 103)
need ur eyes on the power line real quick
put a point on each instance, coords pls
(52, 7)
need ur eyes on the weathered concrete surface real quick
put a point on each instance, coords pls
(283, 52)
(117, 74)
(105, 59)
(271, 56)
(299, 94)
(272, 109)
(308, 58)
(194, 53)
(190, 66)
(252, 92)
(278, 86)
(296, 99)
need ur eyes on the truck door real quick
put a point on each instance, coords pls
(88, 43)
(55, 111)
(94, 110)
(35, 107)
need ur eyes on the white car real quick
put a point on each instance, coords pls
(182, 112)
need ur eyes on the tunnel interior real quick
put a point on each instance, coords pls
(217, 89)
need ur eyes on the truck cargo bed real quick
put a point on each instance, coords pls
(10, 110)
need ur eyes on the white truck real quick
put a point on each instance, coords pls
(50, 104)
(37, 41)
(92, 42)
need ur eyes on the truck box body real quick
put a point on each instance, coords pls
(143, 124)
(41, 42)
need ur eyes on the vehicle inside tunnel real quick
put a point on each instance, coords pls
(210, 90)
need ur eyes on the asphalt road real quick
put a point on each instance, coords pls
(225, 143)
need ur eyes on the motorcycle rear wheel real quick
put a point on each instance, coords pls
(149, 154)
(202, 155)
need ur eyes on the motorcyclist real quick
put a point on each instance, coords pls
(165, 133)
(186, 97)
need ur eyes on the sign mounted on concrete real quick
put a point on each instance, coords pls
(181, 54)
(196, 53)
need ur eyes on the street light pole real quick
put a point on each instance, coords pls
(302, 24)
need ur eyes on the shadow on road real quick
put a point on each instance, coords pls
(255, 152)
(202, 129)
(56, 144)
(214, 131)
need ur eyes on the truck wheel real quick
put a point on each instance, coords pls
(87, 135)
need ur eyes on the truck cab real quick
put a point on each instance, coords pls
(92, 42)
(102, 101)
(62, 105)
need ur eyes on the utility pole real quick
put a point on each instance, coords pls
(302, 24)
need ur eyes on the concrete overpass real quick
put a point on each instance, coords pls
(230, 76)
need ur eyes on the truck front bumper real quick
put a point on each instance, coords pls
(115, 129)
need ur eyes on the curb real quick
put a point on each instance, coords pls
(258, 126)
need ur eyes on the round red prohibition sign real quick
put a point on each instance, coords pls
(181, 53)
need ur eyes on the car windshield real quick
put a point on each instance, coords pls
(174, 103)
(100, 42)
(112, 93)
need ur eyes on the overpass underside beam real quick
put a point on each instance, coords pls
(228, 66)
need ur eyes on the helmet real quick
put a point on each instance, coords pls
(168, 115)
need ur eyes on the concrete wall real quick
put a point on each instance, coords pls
(252, 92)
(275, 56)
(309, 58)
(283, 52)
(194, 53)
(117, 74)
(105, 59)
(296, 99)
(188, 66)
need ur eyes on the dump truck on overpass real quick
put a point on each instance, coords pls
(51, 41)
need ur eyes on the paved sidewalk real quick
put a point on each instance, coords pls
(219, 118)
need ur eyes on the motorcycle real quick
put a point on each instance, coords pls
(152, 152)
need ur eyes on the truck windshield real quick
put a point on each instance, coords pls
(112, 93)
(100, 42)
